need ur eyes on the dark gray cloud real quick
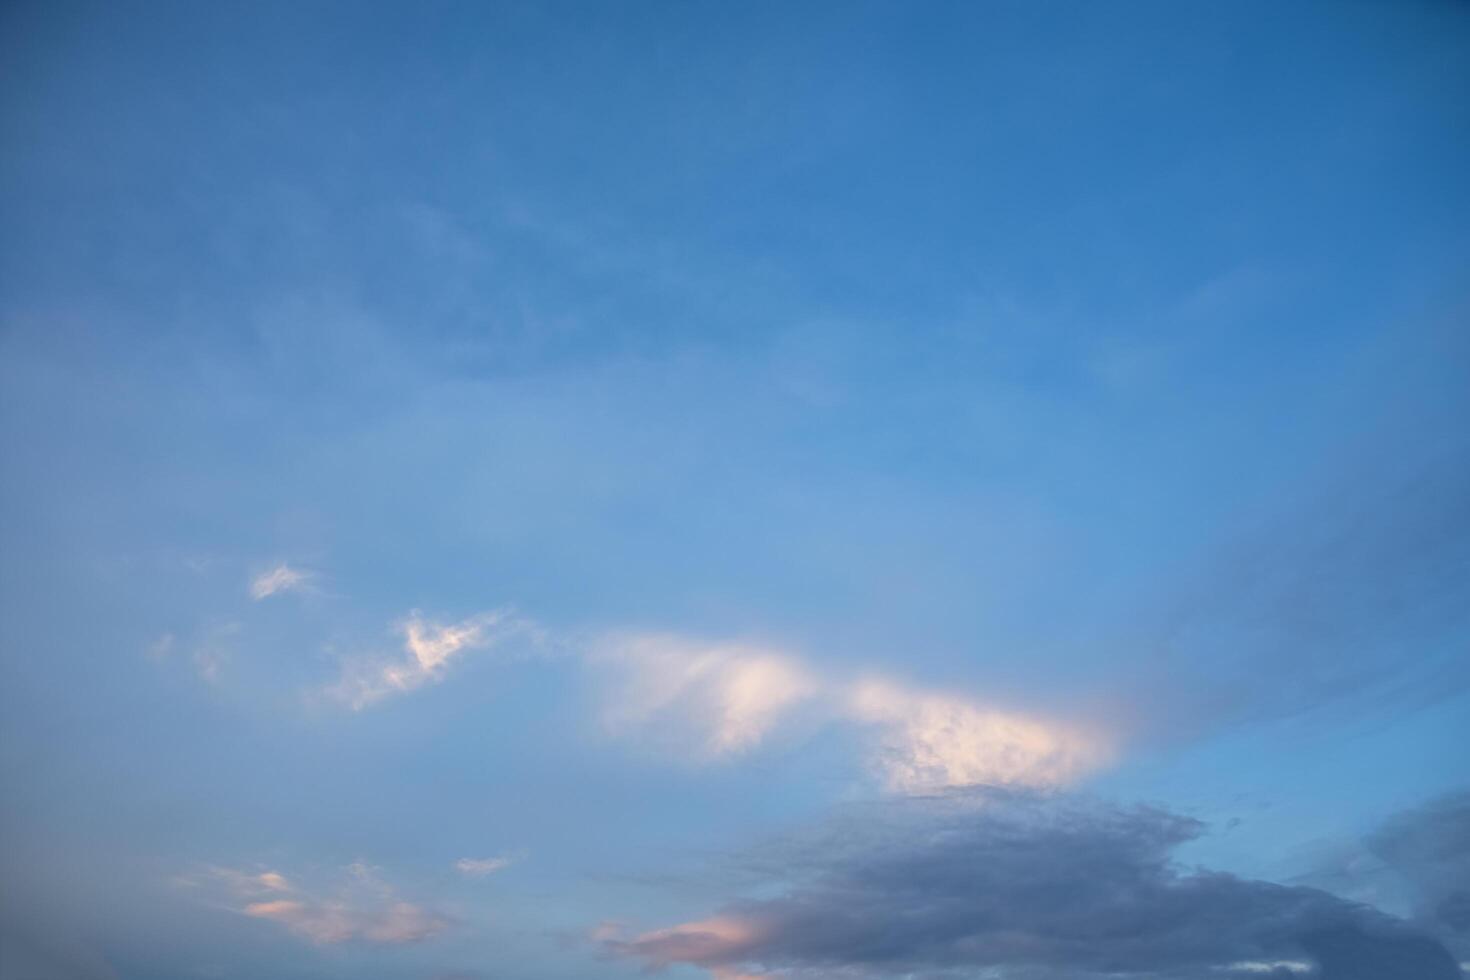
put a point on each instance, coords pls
(1039, 886)
(1429, 848)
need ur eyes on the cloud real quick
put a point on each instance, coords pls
(1272, 967)
(1040, 886)
(237, 882)
(274, 881)
(215, 650)
(934, 741)
(1428, 847)
(713, 701)
(160, 648)
(723, 697)
(1418, 861)
(480, 867)
(359, 906)
(428, 650)
(282, 578)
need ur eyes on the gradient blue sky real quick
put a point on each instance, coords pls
(480, 479)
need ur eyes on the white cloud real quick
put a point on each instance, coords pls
(428, 649)
(480, 867)
(716, 700)
(931, 741)
(282, 578)
(1271, 966)
(723, 698)
(709, 701)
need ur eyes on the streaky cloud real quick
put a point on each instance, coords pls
(360, 905)
(282, 578)
(481, 867)
(428, 650)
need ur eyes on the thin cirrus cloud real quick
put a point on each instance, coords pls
(282, 578)
(358, 906)
(482, 867)
(428, 650)
(1273, 967)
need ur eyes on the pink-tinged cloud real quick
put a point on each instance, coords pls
(358, 906)
(717, 940)
(931, 740)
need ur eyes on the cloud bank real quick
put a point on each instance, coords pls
(1037, 886)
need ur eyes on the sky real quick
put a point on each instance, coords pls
(821, 491)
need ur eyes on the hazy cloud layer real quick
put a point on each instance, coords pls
(1042, 886)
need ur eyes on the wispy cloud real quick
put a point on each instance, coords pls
(215, 650)
(337, 922)
(160, 648)
(710, 701)
(480, 867)
(717, 700)
(1276, 967)
(358, 905)
(237, 882)
(428, 650)
(722, 698)
(282, 578)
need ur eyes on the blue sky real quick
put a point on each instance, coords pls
(558, 490)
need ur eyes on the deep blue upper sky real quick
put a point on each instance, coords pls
(549, 490)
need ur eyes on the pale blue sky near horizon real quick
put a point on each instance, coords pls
(1098, 367)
